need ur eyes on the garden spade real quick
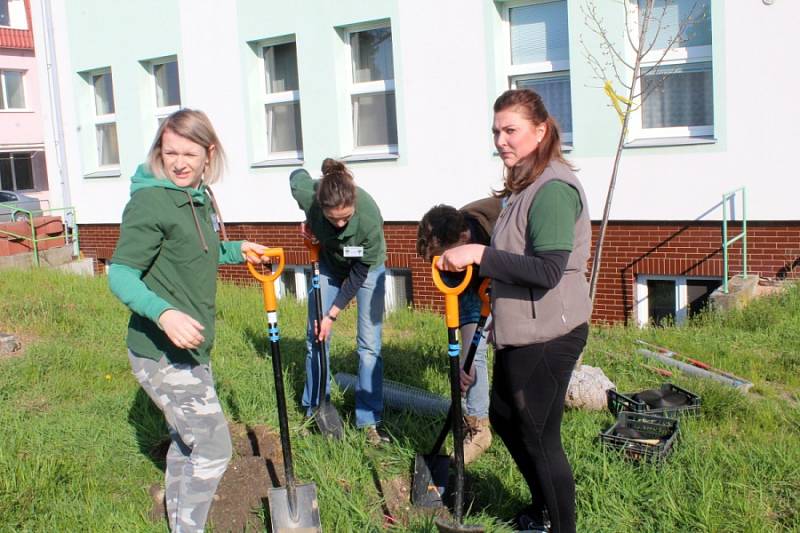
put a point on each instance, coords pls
(293, 507)
(325, 414)
(453, 351)
(431, 471)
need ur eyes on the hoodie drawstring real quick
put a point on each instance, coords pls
(197, 222)
(218, 213)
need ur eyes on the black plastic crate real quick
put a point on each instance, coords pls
(642, 437)
(625, 401)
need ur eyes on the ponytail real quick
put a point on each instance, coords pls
(337, 188)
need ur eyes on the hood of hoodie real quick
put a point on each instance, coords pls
(144, 179)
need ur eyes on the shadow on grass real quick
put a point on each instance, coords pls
(152, 435)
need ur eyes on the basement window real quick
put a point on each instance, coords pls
(663, 300)
(398, 289)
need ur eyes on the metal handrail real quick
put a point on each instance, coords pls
(69, 222)
(727, 242)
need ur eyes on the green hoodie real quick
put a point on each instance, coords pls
(166, 258)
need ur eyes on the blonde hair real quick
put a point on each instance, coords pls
(195, 126)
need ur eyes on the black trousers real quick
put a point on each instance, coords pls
(527, 403)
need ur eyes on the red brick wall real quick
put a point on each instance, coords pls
(631, 248)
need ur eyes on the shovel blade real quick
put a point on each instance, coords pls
(448, 526)
(303, 518)
(328, 421)
(429, 483)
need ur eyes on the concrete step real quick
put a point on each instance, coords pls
(53, 257)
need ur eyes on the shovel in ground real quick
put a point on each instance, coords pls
(293, 507)
(431, 471)
(325, 414)
(453, 351)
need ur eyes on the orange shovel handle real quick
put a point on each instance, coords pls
(267, 285)
(483, 294)
(450, 293)
(313, 249)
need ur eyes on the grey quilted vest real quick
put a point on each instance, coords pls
(527, 315)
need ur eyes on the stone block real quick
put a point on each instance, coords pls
(740, 291)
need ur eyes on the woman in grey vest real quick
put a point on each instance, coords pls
(540, 301)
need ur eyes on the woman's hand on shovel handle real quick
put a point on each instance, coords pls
(458, 258)
(306, 233)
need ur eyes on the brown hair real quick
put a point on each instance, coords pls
(529, 104)
(195, 126)
(440, 228)
(337, 188)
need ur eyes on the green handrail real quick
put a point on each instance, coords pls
(727, 242)
(70, 227)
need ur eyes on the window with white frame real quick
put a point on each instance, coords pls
(538, 58)
(16, 171)
(167, 86)
(12, 14)
(282, 101)
(105, 119)
(372, 89)
(678, 89)
(671, 299)
(294, 281)
(12, 90)
(398, 289)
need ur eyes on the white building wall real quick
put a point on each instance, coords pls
(447, 74)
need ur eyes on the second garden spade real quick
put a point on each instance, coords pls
(431, 470)
(325, 414)
(293, 507)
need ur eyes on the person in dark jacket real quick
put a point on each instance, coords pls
(441, 228)
(164, 269)
(540, 301)
(347, 223)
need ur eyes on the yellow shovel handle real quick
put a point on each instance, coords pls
(450, 293)
(270, 301)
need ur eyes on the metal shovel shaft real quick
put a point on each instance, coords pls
(473, 349)
(283, 419)
(326, 416)
(458, 428)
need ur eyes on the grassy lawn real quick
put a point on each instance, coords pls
(75, 432)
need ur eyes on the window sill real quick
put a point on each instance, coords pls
(16, 110)
(353, 158)
(669, 141)
(110, 173)
(268, 163)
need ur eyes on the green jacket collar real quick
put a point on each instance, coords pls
(144, 179)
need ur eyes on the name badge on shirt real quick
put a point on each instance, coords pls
(353, 251)
(215, 222)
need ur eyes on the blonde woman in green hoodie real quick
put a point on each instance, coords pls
(164, 269)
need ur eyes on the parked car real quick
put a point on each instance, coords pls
(13, 203)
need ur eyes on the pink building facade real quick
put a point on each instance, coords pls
(22, 157)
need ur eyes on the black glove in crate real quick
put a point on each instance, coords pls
(641, 437)
(669, 400)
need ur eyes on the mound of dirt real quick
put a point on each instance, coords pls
(241, 502)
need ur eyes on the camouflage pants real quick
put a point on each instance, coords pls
(201, 442)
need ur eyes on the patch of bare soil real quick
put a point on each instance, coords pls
(241, 500)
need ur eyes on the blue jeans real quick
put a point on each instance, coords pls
(369, 387)
(478, 393)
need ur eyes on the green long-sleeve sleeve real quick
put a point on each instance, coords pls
(127, 285)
